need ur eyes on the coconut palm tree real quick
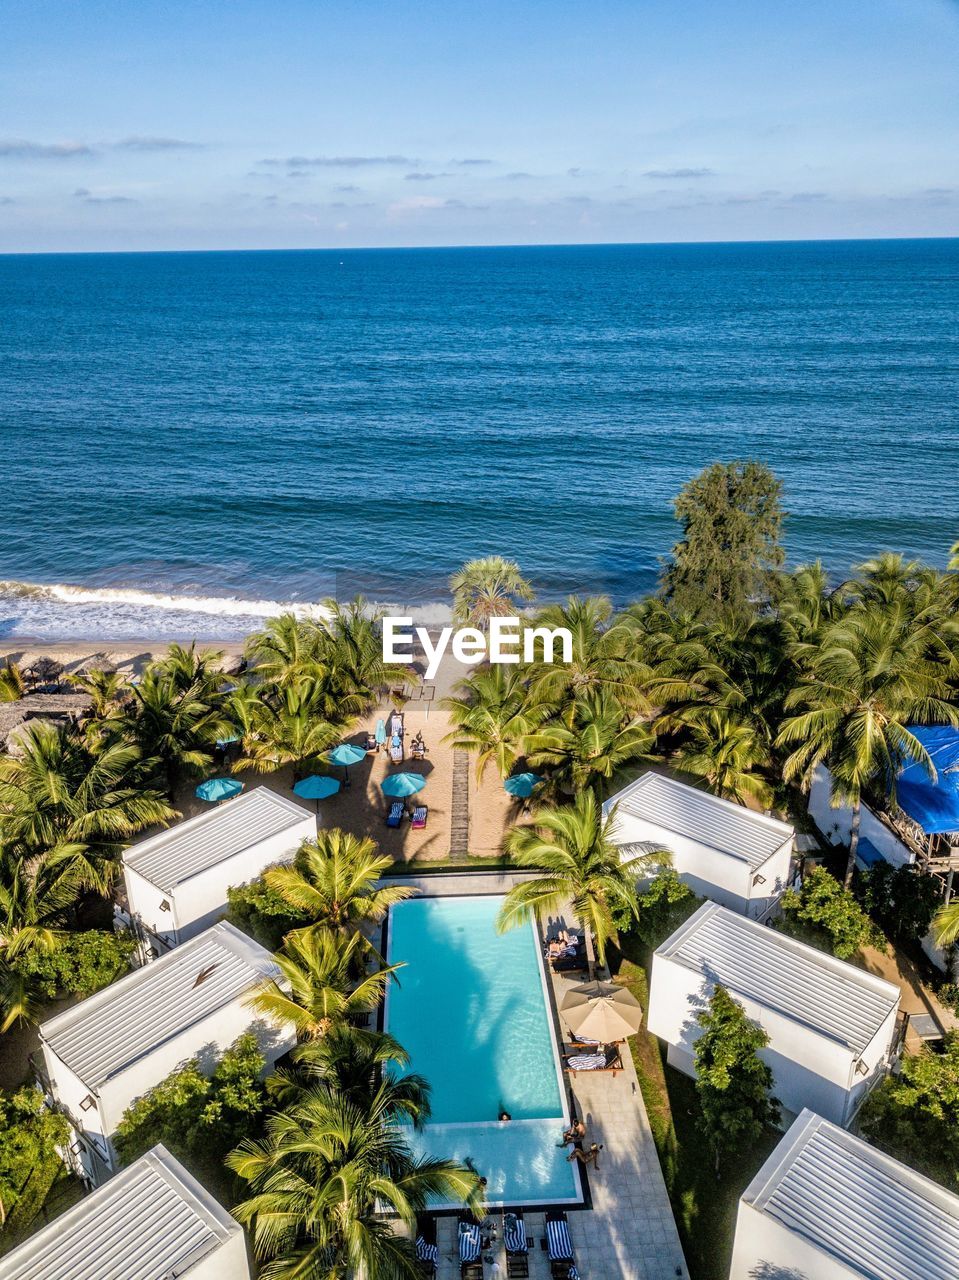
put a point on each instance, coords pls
(605, 659)
(579, 867)
(177, 724)
(354, 658)
(348, 1062)
(726, 753)
(330, 981)
(334, 880)
(493, 717)
(588, 753)
(286, 729)
(60, 792)
(327, 1169)
(286, 650)
(488, 588)
(11, 683)
(876, 672)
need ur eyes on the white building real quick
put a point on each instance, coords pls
(877, 839)
(115, 1046)
(723, 851)
(831, 1026)
(153, 1221)
(176, 881)
(828, 1206)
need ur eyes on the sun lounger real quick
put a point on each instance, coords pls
(559, 1247)
(570, 964)
(470, 1248)
(609, 1059)
(427, 1252)
(396, 749)
(517, 1246)
(420, 814)
(395, 816)
(396, 725)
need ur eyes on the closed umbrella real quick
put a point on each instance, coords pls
(216, 789)
(403, 784)
(602, 1011)
(380, 734)
(521, 784)
(346, 754)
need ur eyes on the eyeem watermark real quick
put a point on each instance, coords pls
(507, 639)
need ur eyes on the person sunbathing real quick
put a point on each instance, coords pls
(587, 1157)
(564, 944)
(575, 1133)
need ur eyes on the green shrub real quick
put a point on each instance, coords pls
(260, 911)
(83, 963)
(827, 915)
(198, 1116)
(663, 907)
(29, 1163)
(901, 900)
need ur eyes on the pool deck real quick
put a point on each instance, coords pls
(629, 1232)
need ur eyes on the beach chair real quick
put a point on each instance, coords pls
(570, 964)
(420, 814)
(396, 749)
(517, 1246)
(470, 1249)
(395, 816)
(559, 1247)
(427, 1252)
(606, 1058)
(396, 724)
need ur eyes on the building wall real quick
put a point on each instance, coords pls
(809, 1070)
(229, 1262)
(765, 1250)
(710, 874)
(836, 824)
(69, 1091)
(200, 901)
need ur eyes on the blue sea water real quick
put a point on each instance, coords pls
(193, 440)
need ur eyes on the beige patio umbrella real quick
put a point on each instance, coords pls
(602, 1011)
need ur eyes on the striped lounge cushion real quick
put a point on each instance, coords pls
(586, 1061)
(558, 1242)
(427, 1252)
(514, 1234)
(469, 1242)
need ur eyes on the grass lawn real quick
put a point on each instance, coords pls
(704, 1206)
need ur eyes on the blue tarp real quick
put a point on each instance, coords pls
(934, 805)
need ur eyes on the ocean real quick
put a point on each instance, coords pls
(195, 441)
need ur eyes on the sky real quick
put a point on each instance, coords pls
(292, 124)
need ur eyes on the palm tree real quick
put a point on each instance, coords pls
(35, 899)
(354, 656)
(329, 979)
(954, 557)
(578, 865)
(327, 1169)
(876, 672)
(286, 730)
(587, 754)
(334, 880)
(286, 650)
(604, 659)
(725, 753)
(178, 724)
(60, 792)
(488, 588)
(493, 717)
(11, 683)
(346, 1062)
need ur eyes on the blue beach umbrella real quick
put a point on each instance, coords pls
(403, 784)
(216, 789)
(521, 784)
(316, 787)
(346, 754)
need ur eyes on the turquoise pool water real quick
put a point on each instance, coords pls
(470, 1009)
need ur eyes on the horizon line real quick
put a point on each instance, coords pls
(447, 248)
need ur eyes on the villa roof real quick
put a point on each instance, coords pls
(829, 997)
(870, 1213)
(184, 851)
(716, 824)
(152, 1221)
(105, 1034)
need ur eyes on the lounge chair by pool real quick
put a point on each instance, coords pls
(517, 1246)
(608, 1059)
(427, 1252)
(420, 814)
(570, 964)
(470, 1248)
(395, 816)
(559, 1247)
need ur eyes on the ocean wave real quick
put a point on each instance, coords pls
(219, 606)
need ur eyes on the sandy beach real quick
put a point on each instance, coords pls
(360, 807)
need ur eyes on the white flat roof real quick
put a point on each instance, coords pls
(152, 1221)
(183, 851)
(831, 998)
(106, 1033)
(876, 1216)
(716, 824)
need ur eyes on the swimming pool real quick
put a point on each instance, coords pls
(471, 1010)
